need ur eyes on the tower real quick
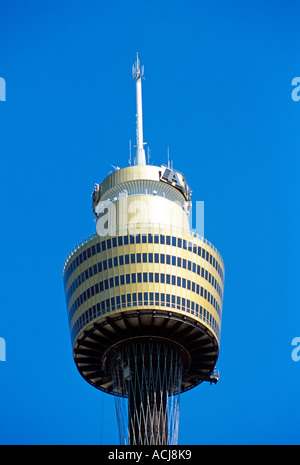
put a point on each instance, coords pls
(144, 296)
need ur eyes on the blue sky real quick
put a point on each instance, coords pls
(218, 93)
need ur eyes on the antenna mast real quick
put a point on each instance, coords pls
(129, 161)
(138, 74)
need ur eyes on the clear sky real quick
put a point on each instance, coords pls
(218, 94)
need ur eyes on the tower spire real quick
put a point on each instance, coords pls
(138, 73)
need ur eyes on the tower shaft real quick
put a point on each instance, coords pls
(149, 375)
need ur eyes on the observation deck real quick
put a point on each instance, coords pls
(163, 283)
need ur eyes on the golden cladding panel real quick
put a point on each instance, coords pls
(149, 209)
(121, 271)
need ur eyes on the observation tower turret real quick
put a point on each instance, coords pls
(144, 296)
